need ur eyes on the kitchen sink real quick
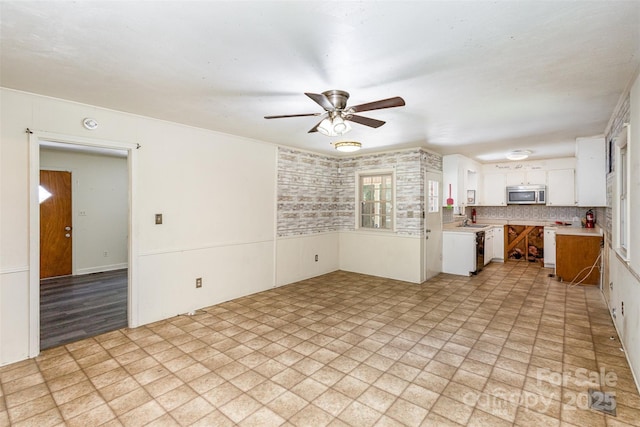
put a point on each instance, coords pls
(474, 226)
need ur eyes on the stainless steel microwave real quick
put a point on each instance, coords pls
(526, 195)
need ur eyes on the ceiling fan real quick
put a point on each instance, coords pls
(337, 114)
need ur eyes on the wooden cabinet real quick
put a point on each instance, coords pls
(494, 190)
(591, 173)
(525, 243)
(575, 255)
(561, 187)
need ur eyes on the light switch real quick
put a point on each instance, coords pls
(158, 218)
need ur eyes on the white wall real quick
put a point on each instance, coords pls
(381, 254)
(216, 192)
(296, 257)
(626, 290)
(100, 199)
(625, 276)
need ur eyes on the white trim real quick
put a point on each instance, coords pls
(101, 269)
(622, 143)
(203, 247)
(34, 226)
(13, 270)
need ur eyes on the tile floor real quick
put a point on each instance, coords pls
(507, 347)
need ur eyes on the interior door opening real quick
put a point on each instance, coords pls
(432, 242)
(84, 244)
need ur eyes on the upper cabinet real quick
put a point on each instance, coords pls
(561, 188)
(556, 174)
(528, 177)
(494, 190)
(463, 176)
(591, 172)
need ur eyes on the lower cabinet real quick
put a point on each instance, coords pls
(488, 246)
(498, 243)
(458, 252)
(549, 247)
(575, 257)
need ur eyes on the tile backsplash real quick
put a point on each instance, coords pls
(536, 213)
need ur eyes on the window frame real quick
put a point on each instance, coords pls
(359, 201)
(622, 206)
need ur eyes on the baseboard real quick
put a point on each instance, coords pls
(101, 268)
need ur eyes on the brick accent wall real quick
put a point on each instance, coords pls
(317, 193)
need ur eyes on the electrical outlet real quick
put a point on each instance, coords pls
(316, 257)
(198, 282)
(158, 219)
(622, 308)
(105, 254)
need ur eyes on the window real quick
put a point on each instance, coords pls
(621, 212)
(376, 201)
(433, 202)
(622, 217)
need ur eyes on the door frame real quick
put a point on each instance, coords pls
(35, 138)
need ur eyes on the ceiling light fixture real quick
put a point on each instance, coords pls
(334, 126)
(518, 154)
(347, 146)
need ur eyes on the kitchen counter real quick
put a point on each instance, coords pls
(578, 231)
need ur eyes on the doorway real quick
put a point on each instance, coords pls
(89, 278)
(432, 253)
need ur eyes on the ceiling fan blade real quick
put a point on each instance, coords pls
(321, 100)
(378, 105)
(292, 115)
(365, 121)
(315, 128)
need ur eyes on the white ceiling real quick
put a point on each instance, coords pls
(479, 78)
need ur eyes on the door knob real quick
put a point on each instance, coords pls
(67, 235)
(428, 231)
(67, 228)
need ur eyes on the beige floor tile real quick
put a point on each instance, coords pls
(452, 409)
(341, 350)
(358, 414)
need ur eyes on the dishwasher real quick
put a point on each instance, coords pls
(479, 251)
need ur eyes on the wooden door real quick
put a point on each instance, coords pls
(55, 225)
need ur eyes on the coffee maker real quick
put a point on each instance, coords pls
(591, 219)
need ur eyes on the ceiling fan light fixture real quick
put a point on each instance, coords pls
(518, 154)
(326, 127)
(340, 127)
(347, 146)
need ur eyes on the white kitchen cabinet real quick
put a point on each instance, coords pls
(550, 247)
(527, 177)
(498, 243)
(591, 173)
(458, 252)
(561, 187)
(462, 174)
(488, 246)
(494, 190)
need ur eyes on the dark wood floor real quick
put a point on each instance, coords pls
(77, 307)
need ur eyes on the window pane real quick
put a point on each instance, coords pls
(376, 201)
